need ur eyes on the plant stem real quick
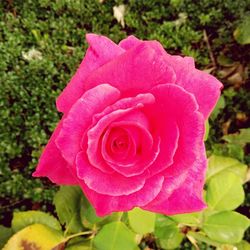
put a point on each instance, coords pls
(78, 234)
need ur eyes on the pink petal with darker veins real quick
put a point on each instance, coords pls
(184, 179)
(182, 193)
(79, 119)
(101, 50)
(102, 183)
(52, 165)
(105, 204)
(174, 117)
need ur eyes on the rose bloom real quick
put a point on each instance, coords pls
(132, 131)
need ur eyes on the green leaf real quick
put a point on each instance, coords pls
(217, 164)
(141, 221)
(206, 130)
(219, 106)
(242, 32)
(36, 236)
(191, 219)
(114, 236)
(241, 138)
(243, 245)
(79, 244)
(23, 219)
(5, 234)
(88, 214)
(90, 219)
(234, 151)
(68, 204)
(226, 227)
(225, 192)
(167, 232)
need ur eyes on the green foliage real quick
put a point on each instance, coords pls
(226, 227)
(56, 29)
(35, 236)
(68, 205)
(225, 192)
(83, 229)
(220, 164)
(167, 232)
(5, 234)
(115, 235)
(242, 33)
(141, 221)
(29, 85)
(241, 138)
(23, 219)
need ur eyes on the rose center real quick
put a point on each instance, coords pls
(120, 144)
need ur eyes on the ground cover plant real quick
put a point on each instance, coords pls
(42, 43)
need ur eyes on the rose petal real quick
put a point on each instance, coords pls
(134, 72)
(52, 165)
(174, 117)
(139, 163)
(101, 51)
(205, 87)
(135, 125)
(182, 193)
(117, 110)
(102, 183)
(105, 204)
(80, 116)
(129, 42)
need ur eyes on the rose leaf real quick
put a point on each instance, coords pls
(226, 227)
(225, 191)
(218, 164)
(141, 221)
(167, 232)
(67, 203)
(115, 235)
(23, 219)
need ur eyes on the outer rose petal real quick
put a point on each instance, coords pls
(52, 165)
(129, 42)
(134, 72)
(105, 204)
(80, 117)
(205, 87)
(101, 51)
(175, 118)
(182, 193)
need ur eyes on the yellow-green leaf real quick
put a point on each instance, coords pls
(23, 219)
(36, 236)
(114, 236)
(226, 227)
(141, 221)
(217, 164)
(225, 192)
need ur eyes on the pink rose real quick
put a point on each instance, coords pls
(133, 127)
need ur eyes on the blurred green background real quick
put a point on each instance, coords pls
(42, 43)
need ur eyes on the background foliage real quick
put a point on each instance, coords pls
(212, 31)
